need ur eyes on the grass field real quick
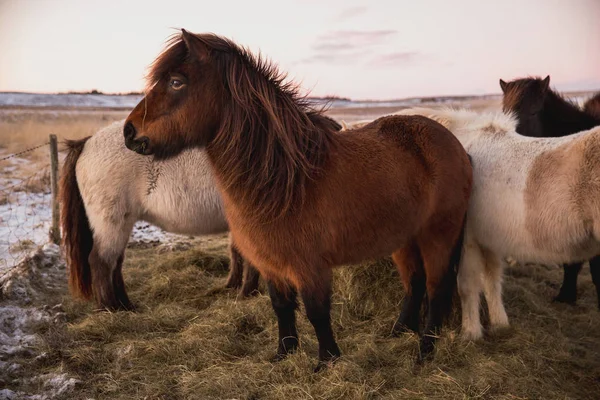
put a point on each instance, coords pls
(191, 339)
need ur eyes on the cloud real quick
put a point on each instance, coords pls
(396, 59)
(351, 12)
(347, 46)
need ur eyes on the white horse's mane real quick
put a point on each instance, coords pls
(457, 120)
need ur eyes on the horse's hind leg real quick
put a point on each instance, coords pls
(410, 266)
(440, 283)
(107, 281)
(568, 290)
(469, 288)
(236, 268)
(492, 287)
(595, 271)
(251, 277)
(106, 261)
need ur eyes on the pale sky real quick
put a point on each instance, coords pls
(359, 49)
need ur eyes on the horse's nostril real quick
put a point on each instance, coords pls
(129, 131)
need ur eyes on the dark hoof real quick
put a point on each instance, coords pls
(565, 298)
(116, 307)
(279, 357)
(399, 329)
(289, 346)
(249, 292)
(426, 349)
(325, 364)
(233, 284)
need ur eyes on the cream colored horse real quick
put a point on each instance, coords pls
(534, 199)
(117, 188)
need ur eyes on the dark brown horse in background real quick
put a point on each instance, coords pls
(541, 112)
(300, 197)
(592, 106)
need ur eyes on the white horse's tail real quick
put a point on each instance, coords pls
(77, 235)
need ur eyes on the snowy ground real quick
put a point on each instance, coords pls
(129, 101)
(25, 216)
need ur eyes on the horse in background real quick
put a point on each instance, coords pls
(534, 200)
(542, 112)
(301, 198)
(106, 189)
(592, 106)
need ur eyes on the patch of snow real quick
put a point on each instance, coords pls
(19, 321)
(146, 233)
(69, 100)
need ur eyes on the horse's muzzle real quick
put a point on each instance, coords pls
(141, 145)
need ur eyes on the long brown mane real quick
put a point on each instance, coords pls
(266, 119)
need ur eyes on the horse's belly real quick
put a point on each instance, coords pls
(186, 217)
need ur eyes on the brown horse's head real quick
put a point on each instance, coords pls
(524, 97)
(184, 80)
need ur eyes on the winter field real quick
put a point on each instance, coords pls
(192, 339)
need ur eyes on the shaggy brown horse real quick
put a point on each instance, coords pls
(541, 112)
(301, 198)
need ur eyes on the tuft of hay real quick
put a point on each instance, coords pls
(190, 339)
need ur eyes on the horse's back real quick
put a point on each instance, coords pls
(396, 172)
(528, 197)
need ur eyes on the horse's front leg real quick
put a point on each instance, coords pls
(283, 300)
(317, 302)
(568, 290)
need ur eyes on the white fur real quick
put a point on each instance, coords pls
(497, 216)
(120, 187)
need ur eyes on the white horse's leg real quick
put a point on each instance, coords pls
(494, 269)
(470, 287)
(111, 235)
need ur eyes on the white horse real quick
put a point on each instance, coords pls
(106, 189)
(534, 199)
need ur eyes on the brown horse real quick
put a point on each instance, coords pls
(541, 112)
(300, 197)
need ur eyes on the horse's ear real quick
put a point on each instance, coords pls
(503, 86)
(195, 46)
(546, 83)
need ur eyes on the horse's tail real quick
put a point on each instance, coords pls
(77, 236)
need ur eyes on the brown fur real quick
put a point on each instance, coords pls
(300, 198)
(576, 159)
(77, 237)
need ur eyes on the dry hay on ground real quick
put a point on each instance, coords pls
(192, 340)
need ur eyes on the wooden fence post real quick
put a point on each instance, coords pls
(54, 229)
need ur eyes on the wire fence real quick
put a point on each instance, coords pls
(27, 200)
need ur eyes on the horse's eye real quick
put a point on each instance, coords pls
(176, 84)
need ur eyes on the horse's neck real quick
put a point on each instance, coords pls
(560, 118)
(532, 127)
(257, 174)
